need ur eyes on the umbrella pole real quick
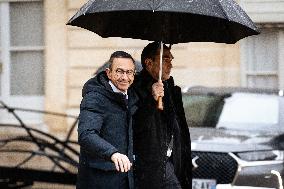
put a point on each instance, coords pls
(160, 101)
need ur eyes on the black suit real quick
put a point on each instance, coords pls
(153, 130)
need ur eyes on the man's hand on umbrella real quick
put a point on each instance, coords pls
(158, 90)
(121, 162)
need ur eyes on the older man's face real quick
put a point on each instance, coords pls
(153, 65)
(121, 74)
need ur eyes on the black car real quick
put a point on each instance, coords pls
(237, 136)
(237, 140)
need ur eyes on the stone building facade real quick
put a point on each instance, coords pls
(44, 63)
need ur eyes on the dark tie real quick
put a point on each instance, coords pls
(126, 100)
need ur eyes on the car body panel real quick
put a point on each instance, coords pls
(237, 135)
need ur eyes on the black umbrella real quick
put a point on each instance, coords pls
(170, 21)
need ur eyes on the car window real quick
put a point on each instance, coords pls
(250, 111)
(202, 110)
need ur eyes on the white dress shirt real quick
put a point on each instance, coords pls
(116, 90)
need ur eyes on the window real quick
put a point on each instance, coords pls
(26, 48)
(21, 57)
(250, 111)
(1, 67)
(260, 61)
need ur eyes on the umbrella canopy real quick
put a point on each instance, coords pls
(170, 21)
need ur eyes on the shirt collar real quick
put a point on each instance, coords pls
(116, 90)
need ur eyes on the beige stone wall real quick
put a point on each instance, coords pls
(56, 65)
(208, 64)
(74, 54)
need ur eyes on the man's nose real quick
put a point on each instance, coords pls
(124, 75)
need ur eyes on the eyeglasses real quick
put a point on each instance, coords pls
(120, 72)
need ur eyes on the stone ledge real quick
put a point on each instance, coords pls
(262, 11)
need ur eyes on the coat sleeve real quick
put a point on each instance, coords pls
(90, 123)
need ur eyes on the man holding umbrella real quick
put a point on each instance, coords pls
(161, 137)
(158, 132)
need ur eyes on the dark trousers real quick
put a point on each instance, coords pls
(171, 181)
(146, 180)
(91, 178)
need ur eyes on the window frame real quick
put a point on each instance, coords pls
(246, 59)
(26, 48)
(23, 101)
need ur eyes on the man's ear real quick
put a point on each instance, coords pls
(108, 72)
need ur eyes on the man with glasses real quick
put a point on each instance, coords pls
(161, 137)
(105, 127)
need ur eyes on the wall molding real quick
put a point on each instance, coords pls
(264, 11)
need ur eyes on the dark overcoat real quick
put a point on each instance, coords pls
(105, 127)
(152, 135)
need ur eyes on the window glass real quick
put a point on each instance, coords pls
(202, 110)
(270, 82)
(1, 64)
(263, 52)
(27, 73)
(250, 111)
(1, 70)
(26, 23)
(0, 31)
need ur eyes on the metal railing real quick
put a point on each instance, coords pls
(62, 153)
